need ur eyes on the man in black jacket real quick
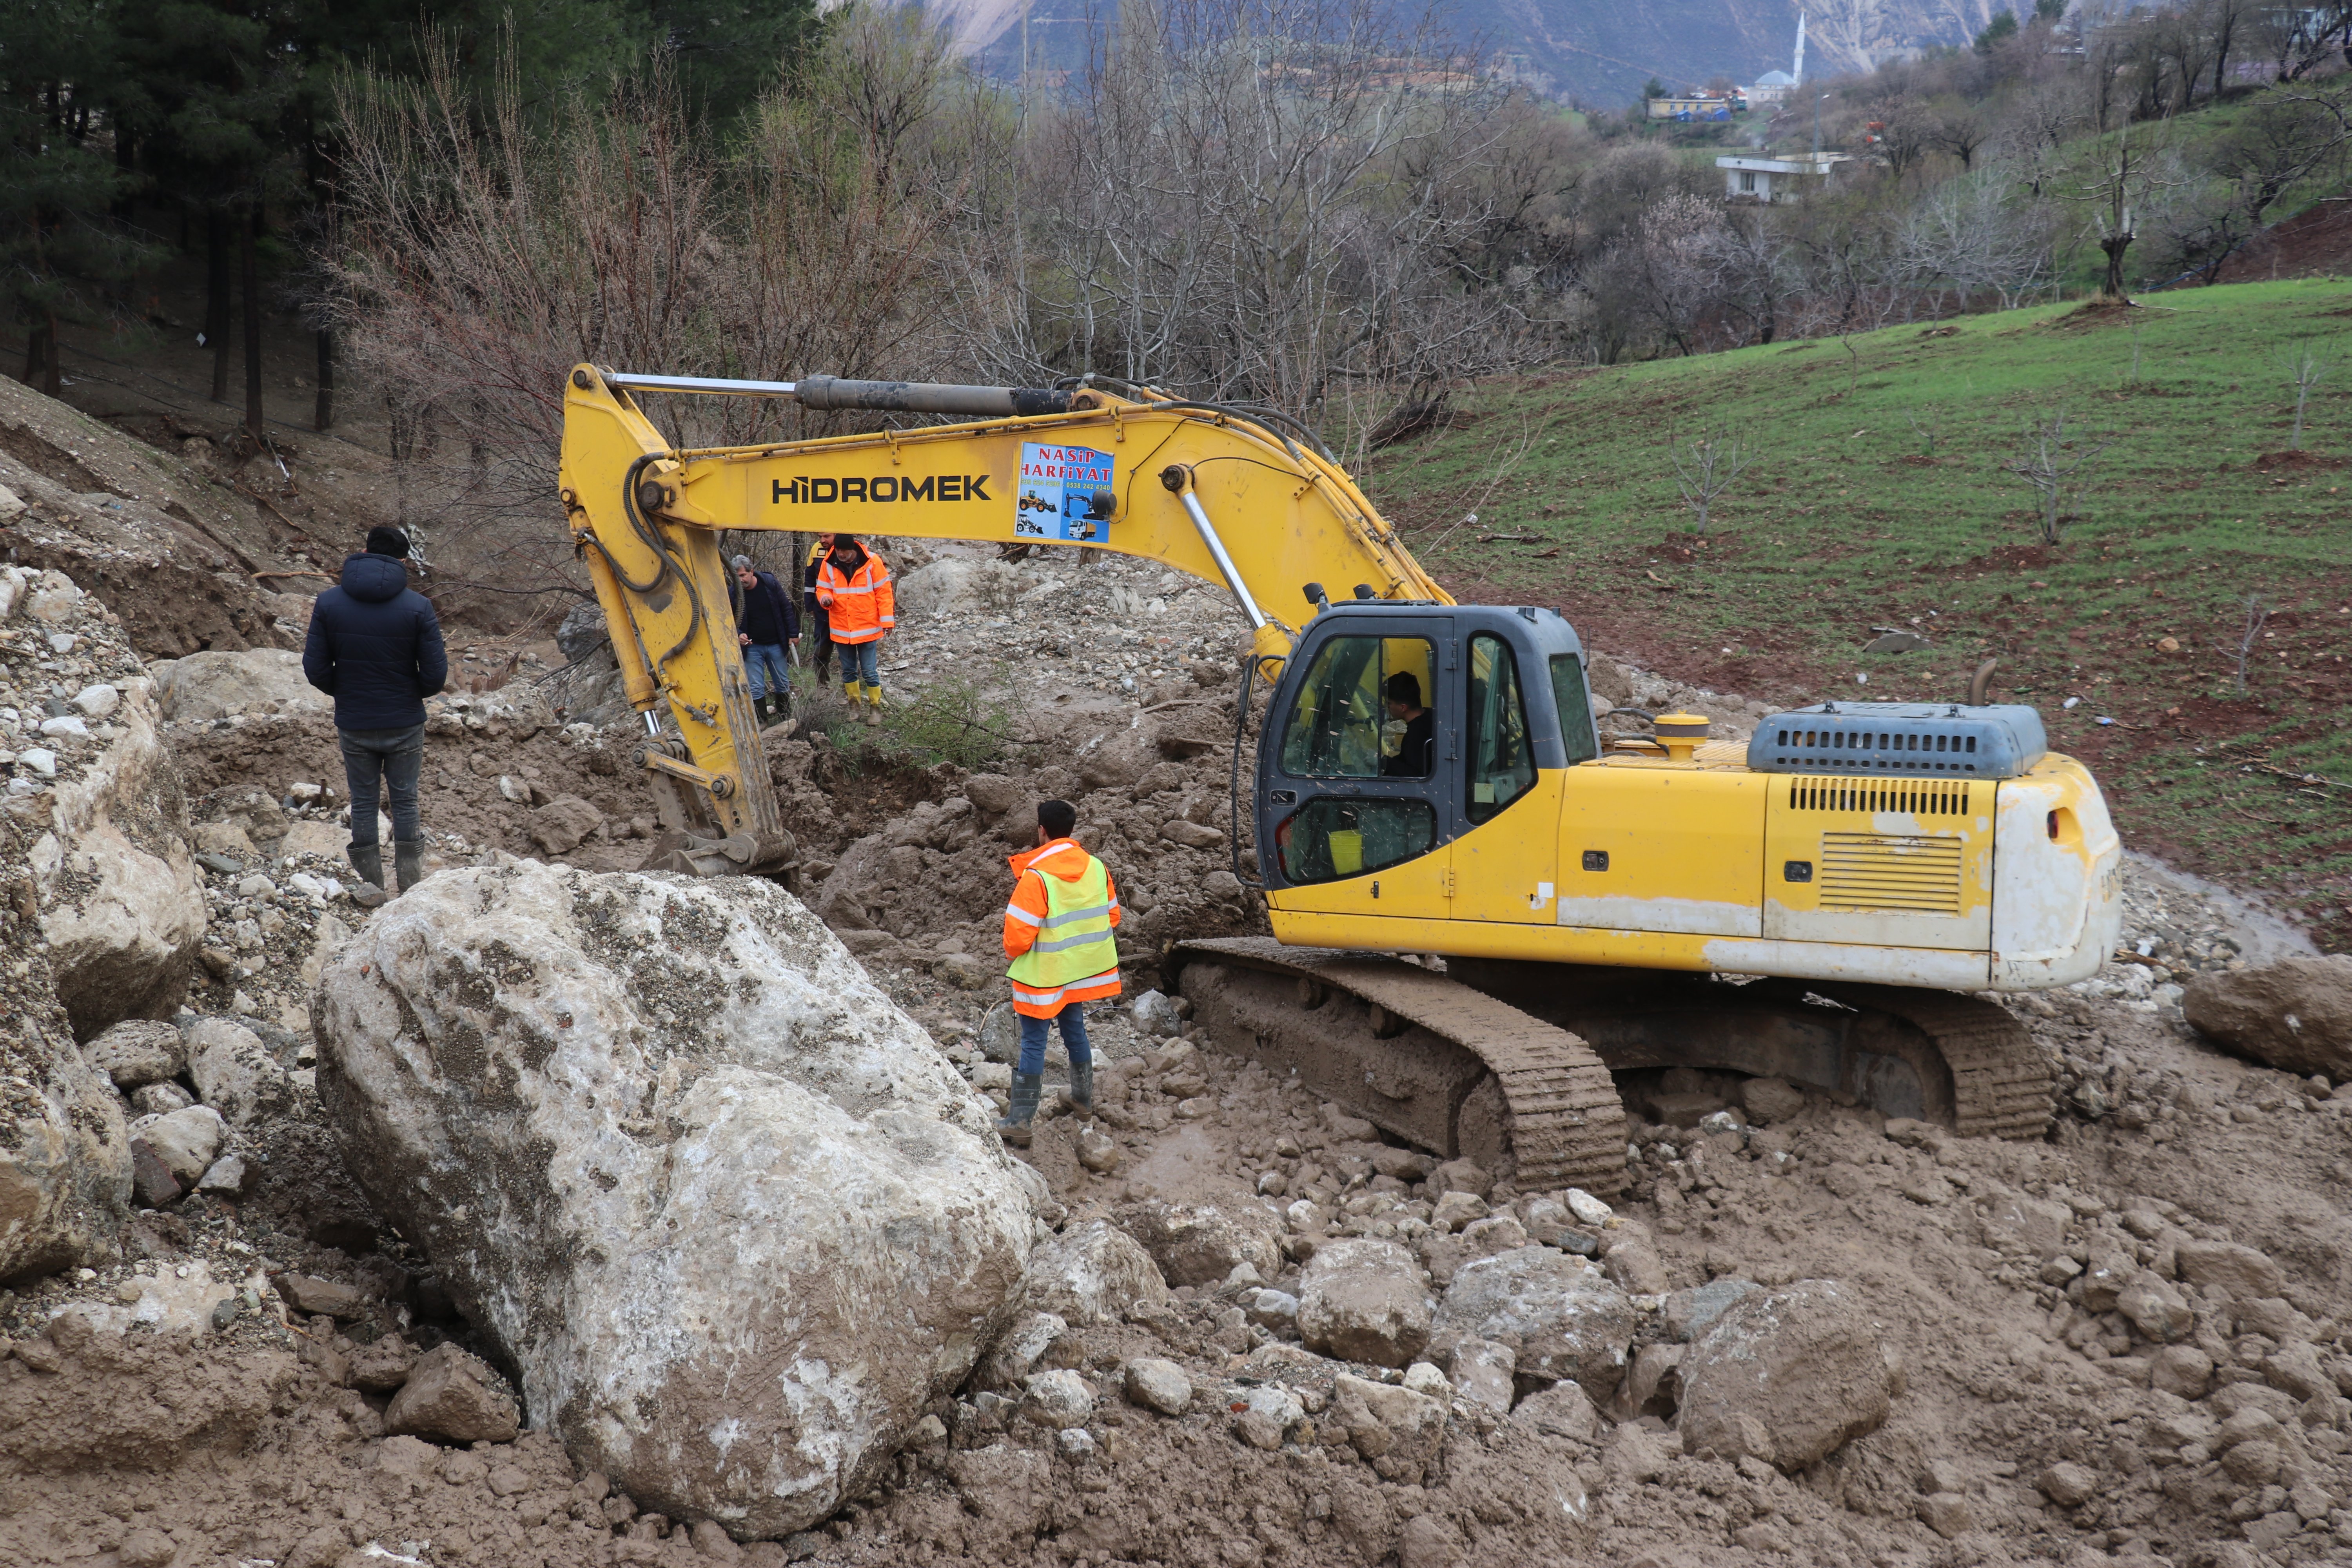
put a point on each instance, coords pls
(766, 623)
(376, 647)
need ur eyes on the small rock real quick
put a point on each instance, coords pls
(2244, 1274)
(98, 701)
(1566, 1320)
(929, 1432)
(1093, 1273)
(1428, 1542)
(562, 825)
(963, 971)
(160, 1098)
(1787, 1375)
(2294, 1013)
(2152, 1306)
(1058, 1399)
(1423, 1377)
(1456, 1209)
(1589, 1210)
(453, 1396)
(1157, 1385)
(1018, 1349)
(1482, 1375)
(1076, 1443)
(1274, 1310)
(227, 1177)
(1191, 835)
(186, 1140)
(136, 1052)
(1563, 1410)
(1947, 1513)
(1364, 1300)
(1266, 1412)
(1398, 1430)
(383, 1366)
(313, 1297)
(1000, 1035)
(1461, 1176)
(235, 1073)
(1097, 1152)
(1635, 1264)
(1690, 1313)
(143, 1547)
(712, 1541)
(152, 1184)
(1156, 1014)
(2067, 1484)
(2183, 1371)
(1199, 1244)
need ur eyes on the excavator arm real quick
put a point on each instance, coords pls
(1230, 497)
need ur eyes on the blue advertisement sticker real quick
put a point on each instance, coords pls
(1054, 498)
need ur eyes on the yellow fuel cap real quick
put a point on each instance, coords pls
(1681, 733)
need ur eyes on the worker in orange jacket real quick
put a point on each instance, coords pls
(853, 586)
(1057, 933)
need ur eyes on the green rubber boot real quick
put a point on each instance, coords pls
(1082, 1085)
(367, 859)
(1013, 1125)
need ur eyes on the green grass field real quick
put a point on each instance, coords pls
(1878, 497)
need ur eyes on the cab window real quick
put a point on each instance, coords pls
(1575, 704)
(1502, 762)
(1328, 840)
(1347, 720)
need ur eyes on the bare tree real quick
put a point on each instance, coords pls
(2053, 463)
(1927, 423)
(2304, 370)
(2256, 614)
(1707, 465)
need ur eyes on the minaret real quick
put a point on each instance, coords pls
(1798, 70)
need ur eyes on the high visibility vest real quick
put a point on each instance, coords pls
(859, 607)
(1075, 951)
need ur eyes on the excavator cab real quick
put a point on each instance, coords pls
(1399, 728)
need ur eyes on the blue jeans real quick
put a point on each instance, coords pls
(398, 755)
(770, 671)
(1073, 1019)
(861, 661)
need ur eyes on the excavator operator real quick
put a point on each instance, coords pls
(1417, 738)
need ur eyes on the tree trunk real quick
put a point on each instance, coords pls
(218, 305)
(325, 414)
(2115, 244)
(52, 377)
(36, 352)
(252, 266)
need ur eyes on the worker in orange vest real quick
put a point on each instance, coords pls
(853, 586)
(1057, 933)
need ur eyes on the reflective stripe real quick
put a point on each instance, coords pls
(1069, 915)
(1058, 943)
(1016, 912)
(1047, 999)
(836, 587)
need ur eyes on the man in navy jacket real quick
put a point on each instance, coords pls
(376, 647)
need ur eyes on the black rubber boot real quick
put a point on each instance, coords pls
(408, 860)
(761, 713)
(1082, 1085)
(1013, 1125)
(367, 859)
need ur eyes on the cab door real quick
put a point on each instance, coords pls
(1353, 796)
(1505, 862)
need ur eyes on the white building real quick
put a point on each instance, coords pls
(1758, 177)
(1770, 88)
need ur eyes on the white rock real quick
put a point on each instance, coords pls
(186, 1140)
(307, 885)
(1364, 1300)
(62, 643)
(1268, 1412)
(1076, 1443)
(1423, 1377)
(1156, 1014)
(1158, 1384)
(1275, 1311)
(98, 700)
(40, 759)
(138, 1052)
(208, 685)
(1589, 1210)
(65, 726)
(603, 1104)
(1018, 1350)
(1059, 1399)
(1568, 1321)
(235, 1073)
(54, 598)
(1093, 1273)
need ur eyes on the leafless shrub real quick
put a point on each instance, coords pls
(2304, 370)
(1706, 465)
(2247, 640)
(2053, 464)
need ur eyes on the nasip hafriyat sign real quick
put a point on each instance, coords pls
(1055, 496)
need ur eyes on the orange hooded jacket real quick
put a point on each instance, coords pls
(1026, 913)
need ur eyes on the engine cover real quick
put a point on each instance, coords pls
(2002, 741)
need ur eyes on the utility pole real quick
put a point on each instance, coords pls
(1817, 126)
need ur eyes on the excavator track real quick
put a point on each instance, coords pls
(2003, 1083)
(1500, 1059)
(1528, 1090)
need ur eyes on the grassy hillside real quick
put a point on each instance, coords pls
(1878, 498)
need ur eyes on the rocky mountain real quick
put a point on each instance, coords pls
(1593, 52)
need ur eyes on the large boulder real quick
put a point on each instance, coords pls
(1787, 1375)
(65, 1151)
(727, 1210)
(2295, 1014)
(1565, 1319)
(122, 902)
(235, 1073)
(1364, 1300)
(222, 685)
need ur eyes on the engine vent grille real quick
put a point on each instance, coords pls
(1920, 797)
(1899, 874)
(1898, 738)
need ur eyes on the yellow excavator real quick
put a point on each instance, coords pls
(1481, 908)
